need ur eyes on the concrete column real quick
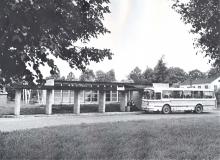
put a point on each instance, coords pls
(17, 107)
(76, 108)
(123, 101)
(44, 97)
(102, 95)
(49, 101)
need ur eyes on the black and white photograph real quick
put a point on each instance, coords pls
(110, 79)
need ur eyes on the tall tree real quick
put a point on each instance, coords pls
(100, 76)
(71, 77)
(213, 72)
(204, 17)
(136, 75)
(196, 74)
(105, 77)
(176, 75)
(110, 76)
(33, 30)
(148, 75)
(160, 72)
(55, 76)
(87, 75)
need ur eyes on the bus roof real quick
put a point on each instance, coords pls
(177, 89)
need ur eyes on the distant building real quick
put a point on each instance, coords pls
(205, 83)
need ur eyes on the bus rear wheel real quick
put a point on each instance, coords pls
(166, 109)
(198, 108)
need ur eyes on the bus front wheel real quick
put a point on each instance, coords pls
(198, 108)
(166, 109)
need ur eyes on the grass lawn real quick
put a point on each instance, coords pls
(193, 138)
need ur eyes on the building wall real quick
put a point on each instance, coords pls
(216, 84)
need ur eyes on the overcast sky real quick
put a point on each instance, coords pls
(141, 32)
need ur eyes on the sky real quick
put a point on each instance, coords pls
(142, 31)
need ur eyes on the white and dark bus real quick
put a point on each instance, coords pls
(169, 100)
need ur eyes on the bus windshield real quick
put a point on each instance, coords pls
(152, 95)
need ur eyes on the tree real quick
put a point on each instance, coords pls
(196, 74)
(71, 77)
(87, 75)
(55, 76)
(213, 72)
(110, 76)
(33, 30)
(204, 17)
(176, 75)
(136, 75)
(105, 77)
(160, 72)
(148, 75)
(100, 76)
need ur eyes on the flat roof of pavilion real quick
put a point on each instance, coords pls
(87, 85)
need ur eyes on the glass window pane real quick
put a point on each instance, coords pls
(158, 95)
(107, 98)
(94, 96)
(188, 94)
(88, 96)
(208, 94)
(166, 94)
(177, 94)
(114, 96)
(198, 94)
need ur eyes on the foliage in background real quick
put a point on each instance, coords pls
(148, 75)
(34, 31)
(71, 77)
(160, 71)
(87, 75)
(136, 75)
(172, 75)
(176, 75)
(196, 74)
(204, 17)
(105, 77)
(213, 72)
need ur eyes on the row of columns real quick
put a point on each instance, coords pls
(76, 109)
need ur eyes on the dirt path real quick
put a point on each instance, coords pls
(39, 121)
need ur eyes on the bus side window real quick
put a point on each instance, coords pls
(208, 94)
(198, 94)
(158, 95)
(187, 94)
(166, 94)
(177, 94)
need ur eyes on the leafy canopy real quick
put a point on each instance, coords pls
(105, 77)
(33, 30)
(204, 17)
(87, 75)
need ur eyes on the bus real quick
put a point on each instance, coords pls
(167, 100)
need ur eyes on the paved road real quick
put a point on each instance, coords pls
(39, 121)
